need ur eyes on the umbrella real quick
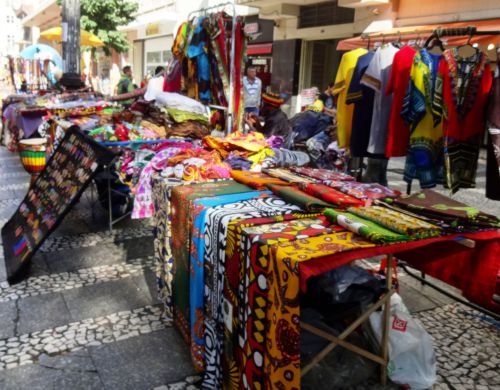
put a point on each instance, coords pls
(42, 52)
(86, 38)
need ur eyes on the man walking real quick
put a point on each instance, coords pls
(126, 83)
(252, 88)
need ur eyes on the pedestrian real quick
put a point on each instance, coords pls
(126, 83)
(252, 89)
(328, 100)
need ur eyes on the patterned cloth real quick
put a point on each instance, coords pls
(424, 160)
(458, 215)
(182, 212)
(363, 191)
(196, 276)
(286, 175)
(162, 193)
(217, 220)
(365, 228)
(245, 286)
(462, 91)
(300, 198)
(398, 222)
(256, 180)
(328, 194)
(282, 353)
(321, 174)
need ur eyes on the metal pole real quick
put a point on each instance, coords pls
(71, 36)
(230, 111)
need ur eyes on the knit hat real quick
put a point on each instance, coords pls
(272, 99)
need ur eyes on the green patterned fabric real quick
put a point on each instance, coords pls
(295, 196)
(365, 228)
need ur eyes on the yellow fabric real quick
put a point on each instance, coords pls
(317, 106)
(86, 38)
(342, 81)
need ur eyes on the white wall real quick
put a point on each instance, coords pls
(12, 31)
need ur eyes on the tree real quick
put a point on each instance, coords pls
(103, 17)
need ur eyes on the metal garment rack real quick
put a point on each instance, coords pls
(204, 12)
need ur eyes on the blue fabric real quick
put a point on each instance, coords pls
(197, 252)
(362, 97)
(254, 110)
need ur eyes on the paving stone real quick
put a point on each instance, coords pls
(42, 312)
(164, 359)
(7, 319)
(107, 298)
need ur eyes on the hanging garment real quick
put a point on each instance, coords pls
(362, 98)
(439, 207)
(424, 159)
(198, 50)
(182, 212)
(216, 240)
(341, 87)
(196, 269)
(329, 195)
(365, 228)
(461, 95)
(493, 159)
(398, 132)
(282, 354)
(399, 222)
(246, 291)
(377, 77)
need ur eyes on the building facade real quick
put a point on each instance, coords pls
(310, 30)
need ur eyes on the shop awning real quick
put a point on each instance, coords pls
(259, 49)
(423, 32)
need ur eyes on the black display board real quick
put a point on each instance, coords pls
(58, 187)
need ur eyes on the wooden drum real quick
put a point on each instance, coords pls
(33, 155)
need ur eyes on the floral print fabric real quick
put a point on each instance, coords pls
(398, 222)
(365, 228)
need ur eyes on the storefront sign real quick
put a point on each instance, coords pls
(252, 28)
(152, 29)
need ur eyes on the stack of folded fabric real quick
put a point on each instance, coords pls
(365, 228)
(331, 195)
(412, 227)
(322, 174)
(447, 212)
(364, 191)
(286, 175)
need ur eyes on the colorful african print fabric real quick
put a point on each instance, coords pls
(461, 95)
(282, 353)
(321, 174)
(365, 228)
(217, 220)
(332, 196)
(256, 180)
(162, 192)
(196, 276)
(300, 198)
(182, 212)
(286, 175)
(401, 223)
(363, 191)
(458, 215)
(245, 291)
(424, 160)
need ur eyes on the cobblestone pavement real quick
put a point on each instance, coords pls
(86, 316)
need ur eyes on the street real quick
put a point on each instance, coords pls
(87, 317)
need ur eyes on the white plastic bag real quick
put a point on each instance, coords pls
(412, 360)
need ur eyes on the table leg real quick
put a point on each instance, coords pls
(386, 324)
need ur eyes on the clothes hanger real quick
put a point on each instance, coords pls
(467, 46)
(435, 43)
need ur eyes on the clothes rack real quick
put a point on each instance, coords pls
(221, 7)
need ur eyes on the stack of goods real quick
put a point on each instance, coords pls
(204, 63)
(408, 102)
(231, 265)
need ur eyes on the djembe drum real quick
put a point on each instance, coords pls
(33, 154)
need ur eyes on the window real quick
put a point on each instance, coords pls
(324, 14)
(153, 56)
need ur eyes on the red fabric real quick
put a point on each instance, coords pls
(472, 270)
(472, 125)
(398, 131)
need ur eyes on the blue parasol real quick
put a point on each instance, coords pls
(41, 52)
